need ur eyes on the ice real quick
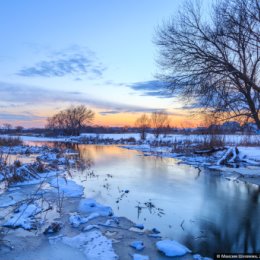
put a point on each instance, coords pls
(138, 245)
(68, 188)
(94, 245)
(90, 206)
(23, 216)
(7, 199)
(140, 257)
(172, 248)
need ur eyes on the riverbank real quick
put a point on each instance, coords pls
(200, 151)
(43, 208)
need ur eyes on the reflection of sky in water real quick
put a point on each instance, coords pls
(204, 211)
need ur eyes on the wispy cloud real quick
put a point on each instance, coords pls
(109, 112)
(153, 88)
(73, 61)
(30, 95)
(19, 116)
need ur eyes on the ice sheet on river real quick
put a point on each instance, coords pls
(94, 245)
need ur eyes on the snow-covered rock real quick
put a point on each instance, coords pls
(68, 188)
(138, 245)
(140, 226)
(90, 206)
(94, 245)
(172, 248)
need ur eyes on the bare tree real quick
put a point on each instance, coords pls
(143, 124)
(159, 123)
(7, 127)
(71, 120)
(214, 63)
(19, 128)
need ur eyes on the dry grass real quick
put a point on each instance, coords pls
(10, 141)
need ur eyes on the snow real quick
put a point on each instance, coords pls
(138, 245)
(68, 188)
(23, 216)
(199, 257)
(90, 206)
(250, 153)
(77, 220)
(172, 248)
(89, 227)
(94, 245)
(140, 257)
(140, 226)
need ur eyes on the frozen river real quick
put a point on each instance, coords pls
(202, 210)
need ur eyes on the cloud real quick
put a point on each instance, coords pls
(109, 112)
(153, 88)
(73, 61)
(19, 117)
(31, 95)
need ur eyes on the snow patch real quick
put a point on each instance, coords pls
(172, 248)
(140, 257)
(138, 245)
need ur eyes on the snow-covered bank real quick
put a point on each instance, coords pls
(229, 139)
(243, 165)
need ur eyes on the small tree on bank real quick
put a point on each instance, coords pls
(159, 122)
(70, 121)
(143, 123)
(215, 63)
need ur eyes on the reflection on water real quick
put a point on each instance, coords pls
(202, 210)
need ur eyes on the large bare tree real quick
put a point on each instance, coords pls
(214, 62)
(71, 120)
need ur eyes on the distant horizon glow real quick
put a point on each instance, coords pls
(98, 53)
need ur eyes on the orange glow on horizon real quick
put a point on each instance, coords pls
(183, 119)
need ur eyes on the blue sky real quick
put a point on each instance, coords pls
(96, 52)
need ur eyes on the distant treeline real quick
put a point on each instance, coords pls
(225, 128)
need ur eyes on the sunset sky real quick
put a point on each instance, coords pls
(99, 53)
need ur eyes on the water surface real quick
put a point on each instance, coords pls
(204, 211)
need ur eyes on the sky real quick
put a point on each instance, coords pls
(95, 52)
